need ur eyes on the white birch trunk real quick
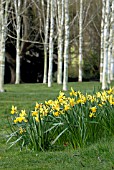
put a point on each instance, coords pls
(60, 40)
(66, 46)
(46, 43)
(102, 39)
(106, 46)
(112, 42)
(18, 27)
(80, 41)
(51, 45)
(3, 31)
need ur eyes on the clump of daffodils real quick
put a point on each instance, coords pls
(77, 113)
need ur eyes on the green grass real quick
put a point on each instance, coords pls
(97, 156)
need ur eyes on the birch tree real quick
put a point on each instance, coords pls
(66, 46)
(17, 5)
(51, 45)
(60, 39)
(106, 46)
(102, 39)
(80, 41)
(112, 42)
(46, 42)
(3, 32)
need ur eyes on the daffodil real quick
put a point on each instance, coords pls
(72, 101)
(61, 94)
(20, 119)
(49, 102)
(56, 105)
(38, 105)
(56, 113)
(34, 113)
(93, 109)
(110, 91)
(37, 119)
(67, 107)
(92, 115)
(23, 113)
(73, 93)
(98, 94)
(13, 109)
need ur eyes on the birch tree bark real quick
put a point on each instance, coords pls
(112, 42)
(66, 46)
(46, 43)
(17, 5)
(106, 46)
(80, 41)
(51, 45)
(3, 31)
(60, 40)
(102, 39)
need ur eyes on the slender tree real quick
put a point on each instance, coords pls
(17, 5)
(46, 42)
(60, 39)
(3, 32)
(112, 42)
(66, 46)
(102, 39)
(105, 79)
(51, 45)
(80, 41)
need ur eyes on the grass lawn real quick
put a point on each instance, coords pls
(97, 156)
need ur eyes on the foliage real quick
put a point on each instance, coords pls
(73, 63)
(77, 120)
(91, 66)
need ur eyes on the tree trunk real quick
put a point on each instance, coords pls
(106, 45)
(46, 43)
(11, 63)
(102, 39)
(18, 27)
(112, 42)
(51, 45)
(60, 40)
(13, 75)
(3, 31)
(80, 41)
(66, 46)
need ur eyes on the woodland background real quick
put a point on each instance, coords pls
(47, 40)
(32, 54)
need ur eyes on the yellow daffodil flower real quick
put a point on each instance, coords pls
(92, 115)
(13, 109)
(110, 91)
(56, 113)
(93, 109)
(66, 107)
(34, 113)
(20, 119)
(72, 101)
(73, 93)
(37, 119)
(23, 113)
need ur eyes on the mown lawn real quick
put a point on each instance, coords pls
(97, 156)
